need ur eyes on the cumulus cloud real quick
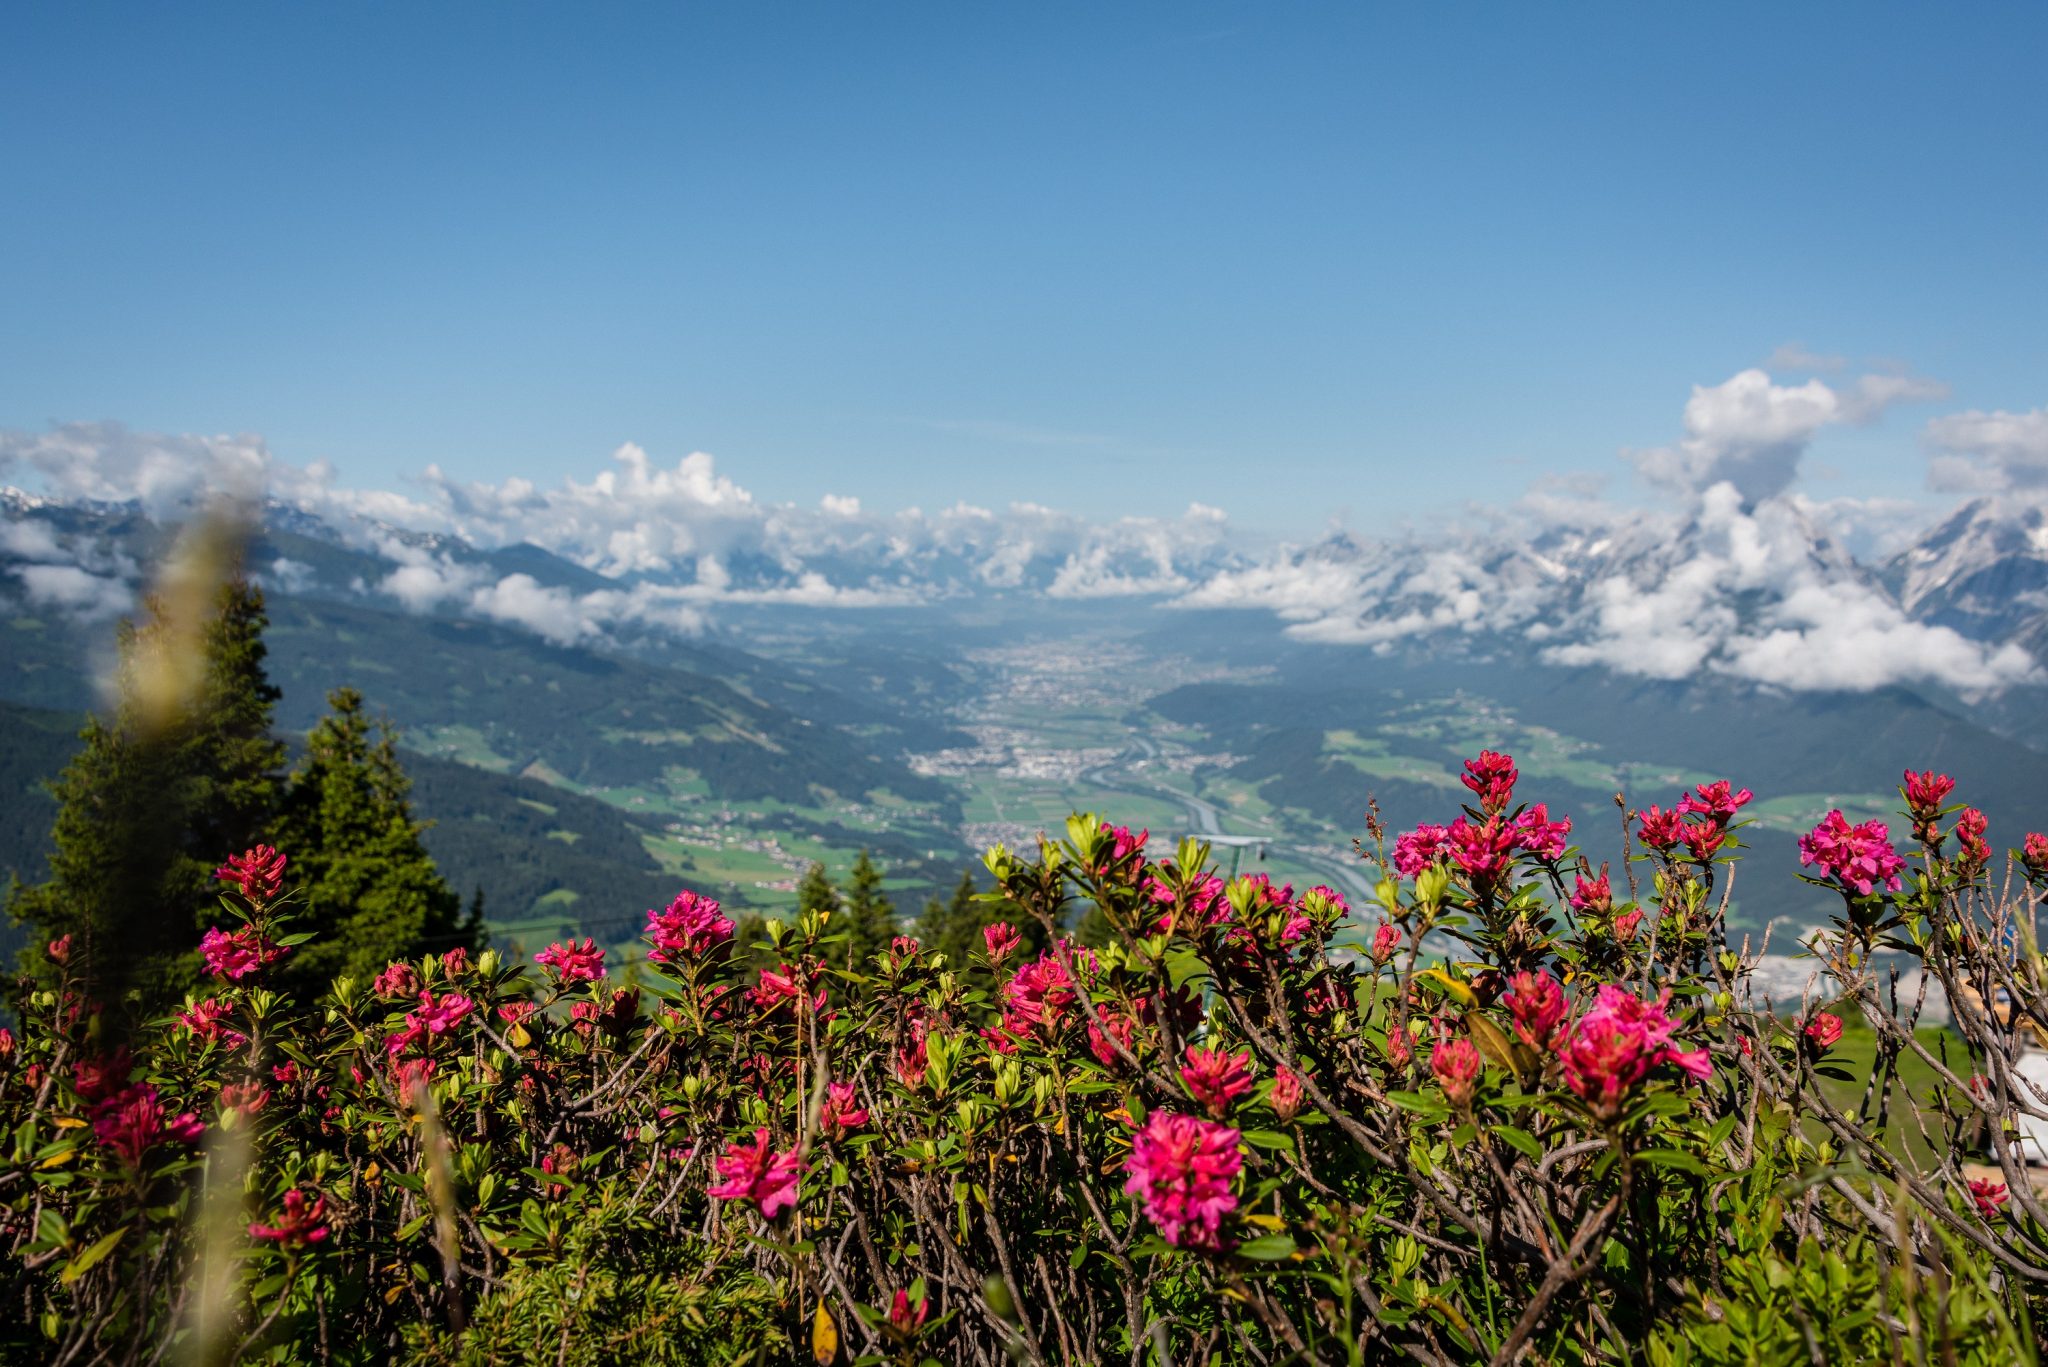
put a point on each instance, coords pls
(1750, 432)
(74, 591)
(1988, 453)
(105, 462)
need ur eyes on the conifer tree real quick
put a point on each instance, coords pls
(369, 890)
(870, 916)
(182, 775)
(816, 893)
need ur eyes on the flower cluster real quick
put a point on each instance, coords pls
(1859, 857)
(689, 929)
(258, 872)
(573, 963)
(1616, 1044)
(235, 955)
(1181, 1167)
(755, 1172)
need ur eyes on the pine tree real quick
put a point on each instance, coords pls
(816, 893)
(370, 892)
(870, 916)
(184, 774)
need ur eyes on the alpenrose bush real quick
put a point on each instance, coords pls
(1536, 1114)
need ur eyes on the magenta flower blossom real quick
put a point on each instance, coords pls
(1616, 1045)
(1989, 1196)
(1037, 994)
(753, 1172)
(208, 1020)
(691, 927)
(575, 964)
(1824, 1031)
(1592, 896)
(1419, 849)
(300, 1226)
(907, 1317)
(1124, 846)
(1485, 853)
(1659, 829)
(1539, 835)
(1217, 1078)
(1002, 940)
(1715, 801)
(1456, 1065)
(257, 871)
(1285, 1094)
(2034, 854)
(1924, 793)
(439, 1017)
(399, 979)
(1491, 778)
(237, 954)
(1386, 941)
(842, 1111)
(131, 1122)
(1180, 1169)
(1627, 924)
(1970, 828)
(1858, 857)
(1536, 1001)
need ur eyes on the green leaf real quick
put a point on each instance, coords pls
(1268, 1139)
(1518, 1139)
(1674, 1158)
(1273, 1248)
(85, 1261)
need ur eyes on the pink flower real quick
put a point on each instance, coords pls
(1285, 1094)
(691, 928)
(1540, 836)
(300, 1226)
(1491, 778)
(1970, 828)
(1715, 801)
(1180, 1170)
(285, 1073)
(6, 1042)
(96, 1079)
(245, 1099)
(1858, 857)
(1616, 1045)
(778, 988)
(1989, 1196)
(415, 1076)
(1217, 1078)
(208, 1020)
(1703, 840)
(1124, 847)
(2034, 854)
(399, 979)
(234, 956)
(258, 871)
(59, 950)
(1456, 1065)
(1386, 941)
(1116, 1026)
(439, 1017)
(1038, 993)
(1419, 849)
(454, 963)
(912, 1062)
(904, 1317)
(131, 1123)
(1924, 793)
(753, 1173)
(1537, 1003)
(584, 964)
(1400, 1047)
(517, 1012)
(1485, 853)
(841, 1111)
(1824, 1030)
(1658, 829)
(1002, 939)
(1592, 896)
(1627, 924)
(1202, 906)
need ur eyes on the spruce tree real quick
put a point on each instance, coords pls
(816, 893)
(870, 916)
(369, 890)
(184, 774)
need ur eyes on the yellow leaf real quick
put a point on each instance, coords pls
(85, 1260)
(1272, 1222)
(1449, 986)
(824, 1336)
(59, 1158)
(67, 1122)
(518, 1037)
(1497, 1047)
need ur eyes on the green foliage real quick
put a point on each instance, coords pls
(371, 892)
(184, 769)
(870, 917)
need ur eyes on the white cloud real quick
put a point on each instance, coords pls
(76, 592)
(1795, 357)
(1997, 452)
(106, 462)
(840, 505)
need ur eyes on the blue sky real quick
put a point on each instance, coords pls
(1295, 261)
